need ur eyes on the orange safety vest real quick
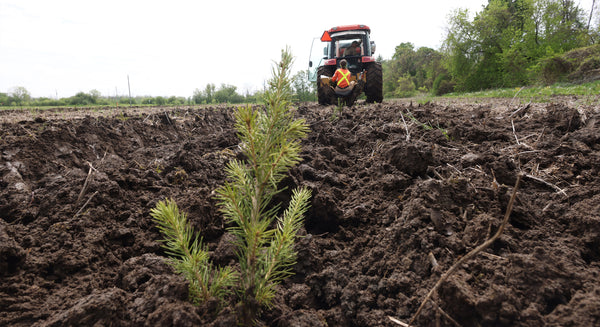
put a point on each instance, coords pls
(341, 76)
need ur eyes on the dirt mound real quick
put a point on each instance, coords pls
(395, 202)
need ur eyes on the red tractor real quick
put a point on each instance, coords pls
(352, 43)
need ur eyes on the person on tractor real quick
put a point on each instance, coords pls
(353, 49)
(341, 79)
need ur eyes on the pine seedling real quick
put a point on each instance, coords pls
(189, 257)
(270, 141)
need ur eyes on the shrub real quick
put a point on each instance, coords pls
(405, 87)
(81, 99)
(160, 101)
(577, 65)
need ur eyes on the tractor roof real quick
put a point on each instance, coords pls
(326, 37)
(349, 28)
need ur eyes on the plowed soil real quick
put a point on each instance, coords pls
(400, 192)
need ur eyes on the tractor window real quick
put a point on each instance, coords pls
(349, 47)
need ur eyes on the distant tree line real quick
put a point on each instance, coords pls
(509, 43)
(19, 96)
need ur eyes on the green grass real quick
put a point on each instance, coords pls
(105, 106)
(538, 93)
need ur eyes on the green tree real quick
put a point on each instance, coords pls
(209, 93)
(175, 101)
(397, 67)
(502, 44)
(81, 99)
(95, 94)
(428, 64)
(405, 87)
(562, 26)
(206, 96)
(304, 90)
(227, 94)
(4, 99)
(409, 70)
(460, 48)
(47, 102)
(160, 101)
(197, 97)
(20, 95)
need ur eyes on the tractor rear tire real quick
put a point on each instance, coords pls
(374, 87)
(356, 92)
(325, 93)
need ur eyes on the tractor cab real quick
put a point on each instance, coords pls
(343, 42)
(352, 43)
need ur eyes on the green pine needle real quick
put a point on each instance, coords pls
(189, 257)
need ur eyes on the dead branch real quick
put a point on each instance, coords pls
(440, 310)
(514, 132)
(438, 175)
(513, 99)
(405, 127)
(541, 134)
(472, 253)
(458, 171)
(520, 109)
(529, 151)
(547, 207)
(537, 179)
(447, 316)
(492, 256)
(85, 204)
(398, 322)
(432, 260)
(86, 183)
(28, 133)
(461, 174)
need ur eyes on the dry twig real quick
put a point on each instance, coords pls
(447, 316)
(537, 179)
(405, 127)
(513, 99)
(28, 133)
(398, 322)
(85, 204)
(514, 132)
(86, 183)
(541, 134)
(520, 109)
(432, 260)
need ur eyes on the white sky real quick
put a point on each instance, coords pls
(61, 47)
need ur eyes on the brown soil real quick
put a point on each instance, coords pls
(384, 204)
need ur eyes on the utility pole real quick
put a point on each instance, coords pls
(129, 87)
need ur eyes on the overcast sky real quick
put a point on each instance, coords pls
(56, 48)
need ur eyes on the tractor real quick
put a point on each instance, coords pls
(352, 43)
